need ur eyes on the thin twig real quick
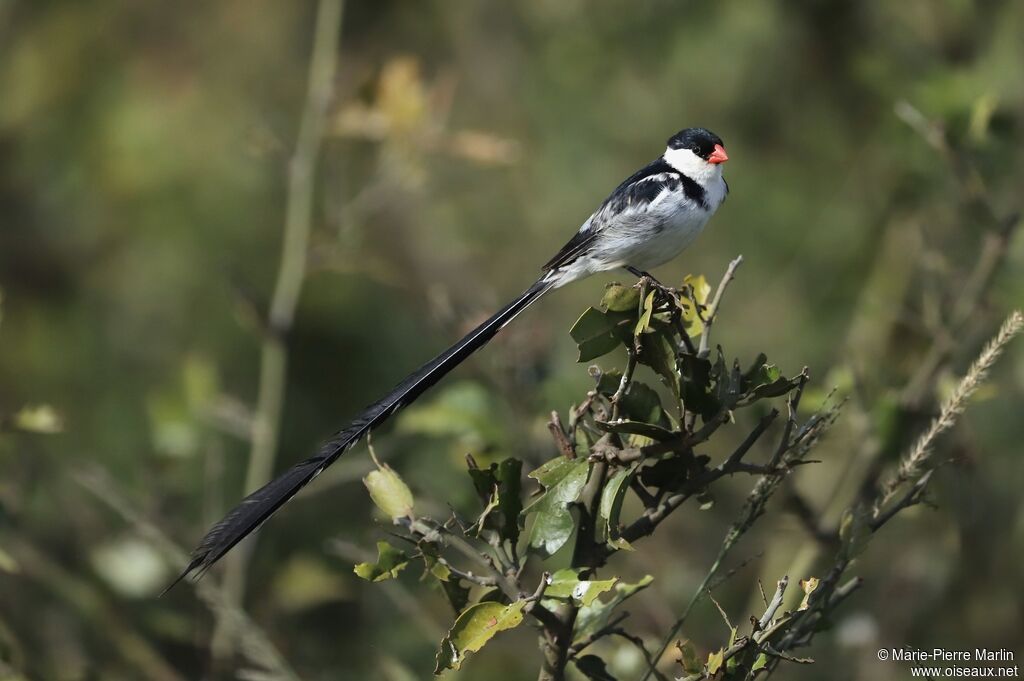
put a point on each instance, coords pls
(774, 604)
(705, 336)
(606, 630)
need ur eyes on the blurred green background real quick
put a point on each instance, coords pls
(143, 156)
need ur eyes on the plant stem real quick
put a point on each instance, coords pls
(290, 276)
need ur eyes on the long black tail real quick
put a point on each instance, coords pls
(262, 503)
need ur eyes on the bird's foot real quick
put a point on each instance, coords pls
(652, 281)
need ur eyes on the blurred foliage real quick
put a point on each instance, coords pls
(143, 152)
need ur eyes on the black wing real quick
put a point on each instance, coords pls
(634, 194)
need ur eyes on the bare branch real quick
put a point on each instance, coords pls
(705, 337)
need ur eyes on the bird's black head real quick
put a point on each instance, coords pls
(701, 141)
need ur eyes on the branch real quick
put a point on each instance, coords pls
(652, 517)
(774, 604)
(560, 437)
(607, 630)
(435, 532)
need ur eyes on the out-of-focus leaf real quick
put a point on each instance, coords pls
(553, 523)
(176, 410)
(390, 561)
(593, 333)
(619, 298)
(566, 583)
(465, 410)
(7, 562)
(473, 629)
(596, 615)
(760, 663)
(499, 487)
(42, 419)
(688, 659)
(130, 566)
(305, 583)
(593, 668)
(389, 492)
(199, 381)
(809, 585)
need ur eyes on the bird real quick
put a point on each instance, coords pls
(651, 217)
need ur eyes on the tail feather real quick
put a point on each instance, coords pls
(261, 504)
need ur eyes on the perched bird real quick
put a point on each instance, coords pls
(648, 220)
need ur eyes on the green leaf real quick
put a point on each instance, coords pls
(499, 487)
(697, 393)
(658, 351)
(304, 583)
(619, 298)
(760, 663)
(640, 403)
(553, 523)
(389, 492)
(596, 615)
(593, 668)
(473, 629)
(593, 334)
(769, 382)
(390, 561)
(456, 594)
(768, 373)
(567, 584)
(715, 661)
(692, 321)
(701, 287)
(644, 322)
(612, 496)
(688, 658)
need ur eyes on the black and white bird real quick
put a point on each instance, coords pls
(648, 220)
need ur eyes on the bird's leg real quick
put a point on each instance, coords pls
(667, 290)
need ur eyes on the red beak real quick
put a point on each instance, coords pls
(718, 155)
